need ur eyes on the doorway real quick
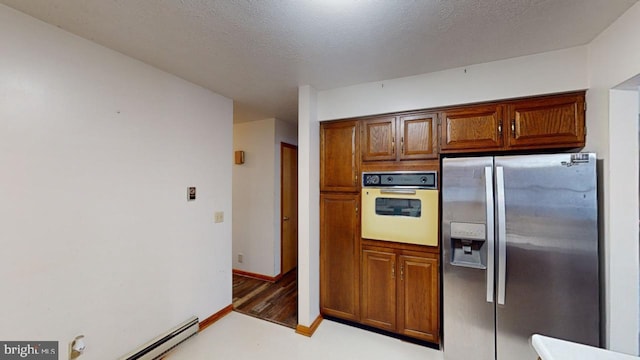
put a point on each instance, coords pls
(275, 299)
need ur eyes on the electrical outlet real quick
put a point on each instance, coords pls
(219, 216)
(240, 258)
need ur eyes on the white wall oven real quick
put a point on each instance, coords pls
(400, 206)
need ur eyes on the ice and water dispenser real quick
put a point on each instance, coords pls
(469, 245)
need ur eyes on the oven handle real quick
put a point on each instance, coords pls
(398, 191)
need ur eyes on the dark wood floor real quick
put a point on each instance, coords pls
(276, 302)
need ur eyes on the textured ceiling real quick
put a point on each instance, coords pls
(257, 52)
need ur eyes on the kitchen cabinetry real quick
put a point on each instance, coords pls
(340, 255)
(340, 219)
(552, 122)
(379, 289)
(379, 139)
(418, 300)
(472, 128)
(339, 156)
(400, 292)
(547, 122)
(393, 286)
(398, 138)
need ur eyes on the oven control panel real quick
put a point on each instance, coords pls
(402, 179)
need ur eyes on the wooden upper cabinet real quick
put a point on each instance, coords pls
(379, 139)
(476, 128)
(406, 137)
(547, 122)
(339, 149)
(418, 137)
(340, 255)
(550, 122)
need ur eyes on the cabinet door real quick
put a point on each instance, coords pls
(379, 289)
(339, 256)
(339, 156)
(418, 297)
(418, 138)
(379, 139)
(553, 122)
(476, 128)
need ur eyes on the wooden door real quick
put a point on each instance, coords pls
(553, 122)
(379, 139)
(289, 207)
(379, 289)
(418, 139)
(418, 297)
(339, 255)
(477, 128)
(339, 146)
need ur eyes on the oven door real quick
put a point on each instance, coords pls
(400, 215)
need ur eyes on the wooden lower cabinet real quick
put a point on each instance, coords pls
(418, 297)
(378, 306)
(400, 292)
(340, 255)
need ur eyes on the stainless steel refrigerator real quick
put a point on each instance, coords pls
(520, 253)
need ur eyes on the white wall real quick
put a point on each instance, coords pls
(256, 194)
(557, 71)
(621, 247)
(308, 207)
(97, 151)
(614, 57)
(253, 197)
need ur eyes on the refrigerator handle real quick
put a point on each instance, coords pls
(488, 178)
(502, 236)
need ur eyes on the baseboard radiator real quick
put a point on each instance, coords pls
(157, 347)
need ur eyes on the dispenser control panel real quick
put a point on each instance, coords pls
(470, 231)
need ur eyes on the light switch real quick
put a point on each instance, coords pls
(219, 216)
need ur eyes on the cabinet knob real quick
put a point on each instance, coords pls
(513, 128)
(500, 128)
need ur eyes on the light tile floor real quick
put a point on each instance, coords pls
(240, 337)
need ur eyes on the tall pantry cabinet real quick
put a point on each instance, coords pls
(339, 219)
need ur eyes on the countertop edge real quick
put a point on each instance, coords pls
(549, 348)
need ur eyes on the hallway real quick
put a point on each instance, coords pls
(276, 302)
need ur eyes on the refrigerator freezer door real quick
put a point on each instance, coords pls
(551, 252)
(468, 317)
